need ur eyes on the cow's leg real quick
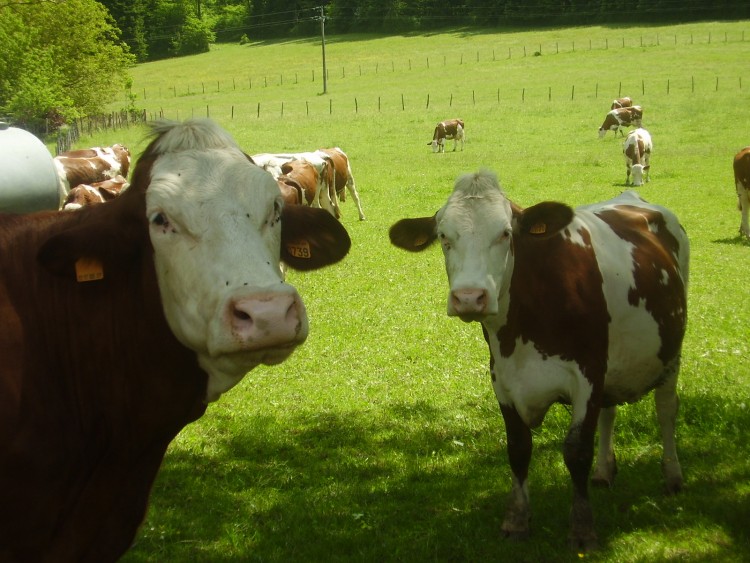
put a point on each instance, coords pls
(355, 195)
(667, 404)
(606, 463)
(578, 452)
(518, 512)
(743, 204)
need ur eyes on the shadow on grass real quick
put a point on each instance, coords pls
(395, 485)
(737, 240)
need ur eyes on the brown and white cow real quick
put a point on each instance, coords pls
(122, 321)
(621, 117)
(343, 177)
(449, 129)
(87, 166)
(274, 163)
(741, 167)
(586, 307)
(625, 102)
(91, 194)
(637, 152)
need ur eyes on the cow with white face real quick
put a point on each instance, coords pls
(637, 152)
(177, 282)
(741, 166)
(448, 129)
(586, 307)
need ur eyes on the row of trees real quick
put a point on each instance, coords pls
(159, 28)
(62, 59)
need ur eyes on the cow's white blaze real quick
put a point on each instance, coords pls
(216, 231)
(474, 231)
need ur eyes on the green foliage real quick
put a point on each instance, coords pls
(380, 439)
(57, 71)
(194, 37)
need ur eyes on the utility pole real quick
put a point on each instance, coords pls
(323, 43)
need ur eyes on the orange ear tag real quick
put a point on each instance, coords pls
(299, 249)
(88, 269)
(538, 229)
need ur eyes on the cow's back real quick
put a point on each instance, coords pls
(642, 253)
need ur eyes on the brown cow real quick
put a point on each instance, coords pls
(449, 129)
(621, 117)
(302, 175)
(742, 184)
(91, 194)
(343, 177)
(625, 102)
(87, 166)
(175, 284)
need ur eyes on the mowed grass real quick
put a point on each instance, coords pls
(381, 439)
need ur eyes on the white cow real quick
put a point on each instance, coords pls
(637, 152)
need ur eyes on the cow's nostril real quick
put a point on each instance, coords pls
(241, 315)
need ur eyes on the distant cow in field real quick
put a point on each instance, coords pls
(123, 321)
(449, 129)
(637, 152)
(91, 194)
(343, 177)
(625, 102)
(742, 184)
(621, 117)
(584, 306)
(87, 166)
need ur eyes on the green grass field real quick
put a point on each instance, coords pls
(381, 439)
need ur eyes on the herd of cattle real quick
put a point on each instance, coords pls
(151, 306)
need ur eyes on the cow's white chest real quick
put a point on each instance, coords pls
(531, 382)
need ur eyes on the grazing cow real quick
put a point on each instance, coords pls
(450, 129)
(90, 194)
(621, 117)
(637, 152)
(179, 298)
(742, 183)
(86, 166)
(625, 102)
(585, 307)
(343, 177)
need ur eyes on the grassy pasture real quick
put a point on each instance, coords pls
(380, 439)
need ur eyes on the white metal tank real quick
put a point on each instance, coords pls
(28, 179)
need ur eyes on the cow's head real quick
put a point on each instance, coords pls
(637, 172)
(218, 228)
(478, 228)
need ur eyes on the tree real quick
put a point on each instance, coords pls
(61, 59)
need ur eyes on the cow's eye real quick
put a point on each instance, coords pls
(444, 241)
(159, 219)
(276, 214)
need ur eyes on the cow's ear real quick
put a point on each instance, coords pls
(415, 234)
(106, 247)
(543, 219)
(311, 238)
